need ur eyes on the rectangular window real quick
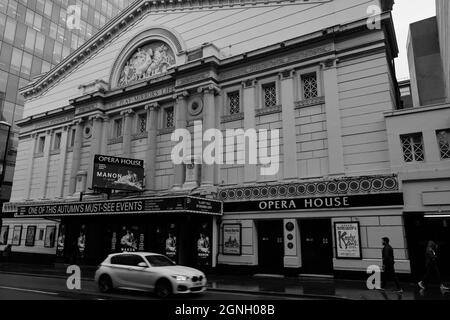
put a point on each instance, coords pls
(37, 22)
(26, 63)
(57, 141)
(169, 118)
(45, 67)
(142, 123)
(270, 95)
(10, 29)
(117, 128)
(48, 8)
(234, 102)
(41, 145)
(30, 38)
(16, 60)
(443, 137)
(29, 17)
(39, 45)
(412, 145)
(53, 30)
(309, 86)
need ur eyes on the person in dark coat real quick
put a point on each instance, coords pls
(388, 266)
(7, 252)
(431, 267)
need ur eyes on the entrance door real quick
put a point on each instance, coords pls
(270, 245)
(317, 246)
(420, 230)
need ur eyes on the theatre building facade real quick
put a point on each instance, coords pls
(318, 75)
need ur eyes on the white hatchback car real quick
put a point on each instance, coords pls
(147, 271)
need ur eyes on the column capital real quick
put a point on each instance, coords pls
(127, 112)
(65, 128)
(152, 106)
(210, 88)
(98, 116)
(78, 121)
(286, 74)
(180, 95)
(329, 63)
(34, 135)
(249, 83)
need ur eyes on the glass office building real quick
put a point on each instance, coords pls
(34, 37)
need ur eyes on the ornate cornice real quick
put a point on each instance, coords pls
(350, 185)
(127, 18)
(139, 9)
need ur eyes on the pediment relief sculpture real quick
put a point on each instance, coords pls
(147, 61)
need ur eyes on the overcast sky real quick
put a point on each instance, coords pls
(406, 12)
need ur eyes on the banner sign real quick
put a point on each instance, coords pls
(125, 206)
(348, 241)
(232, 239)
(118, 173)
(333, 202)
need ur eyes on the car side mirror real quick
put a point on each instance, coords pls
(142, 264)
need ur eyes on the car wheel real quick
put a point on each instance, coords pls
(105, 284)
(163, 288)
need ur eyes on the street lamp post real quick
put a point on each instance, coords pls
(2, 177)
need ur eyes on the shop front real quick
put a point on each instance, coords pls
(311, 235)
(182, 228)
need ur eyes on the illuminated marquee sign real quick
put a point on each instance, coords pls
(125, 206)
(332, 202)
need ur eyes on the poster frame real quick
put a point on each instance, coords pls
(20, 228)
(32, 241)
(52, 245)
(236, 225)
(336, 240)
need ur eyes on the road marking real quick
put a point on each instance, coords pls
(29, 290)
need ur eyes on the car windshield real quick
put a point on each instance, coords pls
(159, 261)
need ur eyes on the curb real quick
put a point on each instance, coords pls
(257, 293)
(40, 275)
(280, 294)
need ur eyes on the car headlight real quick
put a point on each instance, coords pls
(180, 278)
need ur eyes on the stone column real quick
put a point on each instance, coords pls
(289, 133)
(62, 161)
(250, 96)
(180, 123)
(127, 127)
(209, 122)
(46, 160)
(29, 174)
(76, 154)
(150, 154)
(96, 143)
(333, 118)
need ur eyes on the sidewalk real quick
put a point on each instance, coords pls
(292, 287)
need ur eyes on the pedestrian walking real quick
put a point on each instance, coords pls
(7, 252)
(388, 266)
(431, 267)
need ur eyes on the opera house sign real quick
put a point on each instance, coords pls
(147, 61)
